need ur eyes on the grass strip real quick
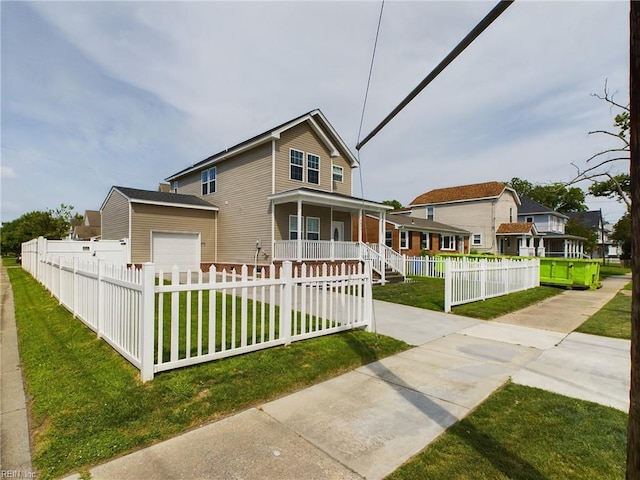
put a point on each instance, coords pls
(524, 433)
(612, 320)
(87, 404)
(428, 293)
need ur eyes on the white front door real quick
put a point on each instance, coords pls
(337, 231)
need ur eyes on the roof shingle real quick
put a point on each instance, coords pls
(460, 193)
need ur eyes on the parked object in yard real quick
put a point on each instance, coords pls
(570, 272)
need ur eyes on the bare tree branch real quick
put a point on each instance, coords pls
(616, 135)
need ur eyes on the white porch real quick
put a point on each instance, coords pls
(336, 238)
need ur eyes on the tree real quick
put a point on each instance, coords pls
(556, 196)
(393, 203)
(600, 165)
(575, 227)
(622, 234)
(633, 430)
(49, 224)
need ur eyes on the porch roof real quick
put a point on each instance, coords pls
(327, 199)
(520, 228)
(405, 222)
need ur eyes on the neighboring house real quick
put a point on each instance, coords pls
(551, 240)
(90, 228)
(486, 210)
(412, 236)
(594, 221)
(285, 194)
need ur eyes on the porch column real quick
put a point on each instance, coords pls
(565, 246)
(360, 226)
(541, 252)
(299, 249)
(381, 228)
(582, 250)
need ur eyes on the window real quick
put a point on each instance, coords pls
(404, 243)
(510, 214)
(175, 187)
(388, 238)
(209, 181)
(338, 173)
(430, 213)
(424, 241)
(528, 219)
(297, 164)
(476, 239)
(293, 227)
(447, 242)
(313, 228)
(313, 168)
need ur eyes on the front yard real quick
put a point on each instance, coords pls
(87, 404)
(428, 293)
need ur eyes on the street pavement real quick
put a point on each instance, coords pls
(368, 422)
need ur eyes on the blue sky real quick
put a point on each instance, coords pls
(96, 94)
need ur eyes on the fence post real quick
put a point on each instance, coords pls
(101, 305)
(447, 285)
(285, 304)
(368, 296)
(147, 315)
(75, 287)
(483, 278)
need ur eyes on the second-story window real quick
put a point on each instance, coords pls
(313, 168)
(297, 164)
(209, 181)
(430, 213)
(337, 173)
(175, 187)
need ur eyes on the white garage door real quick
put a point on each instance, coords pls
(181, 249)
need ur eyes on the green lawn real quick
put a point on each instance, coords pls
(612, 320)
(610, 270)
(523, 433)
(87, 404)
(428, 293)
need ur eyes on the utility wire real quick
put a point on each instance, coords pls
(466, 41)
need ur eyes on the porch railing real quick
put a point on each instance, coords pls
(381, 256)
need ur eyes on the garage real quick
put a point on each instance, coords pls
(174, 248)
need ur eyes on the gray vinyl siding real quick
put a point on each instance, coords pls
(115, 217)
(150, 218)
(303, 138)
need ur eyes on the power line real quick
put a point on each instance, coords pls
(466, 41)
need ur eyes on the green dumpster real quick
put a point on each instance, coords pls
(570, 272)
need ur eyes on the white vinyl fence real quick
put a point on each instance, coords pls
(159, 325)
(469, 279)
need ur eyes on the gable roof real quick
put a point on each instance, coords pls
(418, 224)
(316, 120)
(151, 197)
(476, 191)
(590, 219)
(92, 218)
(529, 206)
(519, 228)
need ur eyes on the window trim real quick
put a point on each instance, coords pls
(430, 216)
(174, 187)
(309, 169)
(333, 173)
(309, 231)
(452, 241)
(388, 238)
(296, 230)
(209, 181)
(292, 165)
(404, 240)
(473, 239)
(528, 219)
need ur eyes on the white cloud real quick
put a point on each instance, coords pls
(131, 92)
(7, 173)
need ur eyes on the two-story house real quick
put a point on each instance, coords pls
(552, 241)
(489, 211)
(285, 194)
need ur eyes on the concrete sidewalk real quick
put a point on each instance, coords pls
(366, 423)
